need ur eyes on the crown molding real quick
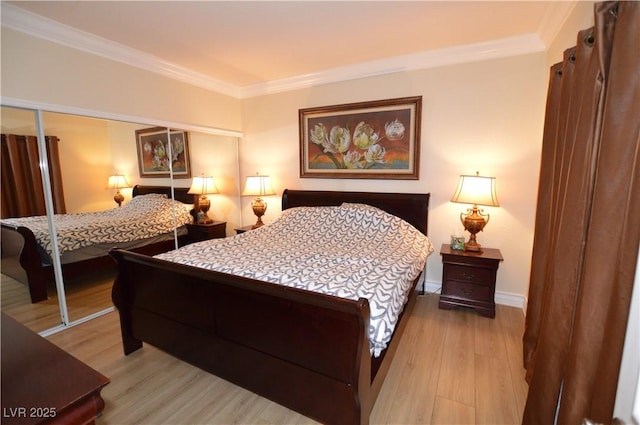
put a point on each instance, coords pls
(554, 18)
(35, 25)
(20, 20)
(511, 46)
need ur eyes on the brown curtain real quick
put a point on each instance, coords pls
(22, 189)
(587, 228)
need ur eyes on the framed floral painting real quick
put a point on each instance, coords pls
(155, 154)
(378, 139)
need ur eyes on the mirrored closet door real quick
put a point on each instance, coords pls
(91, 153)
(22, 195)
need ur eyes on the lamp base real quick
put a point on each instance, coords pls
(204, 219)
(118, 198)
(472, 246)
(473, 223)
(203, 205)
(259, 207)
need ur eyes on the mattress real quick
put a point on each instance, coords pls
(82, 235)
(350, 251)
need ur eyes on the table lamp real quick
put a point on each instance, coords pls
(476, 190)
(117, 182)
(202, 186)
(258, 186)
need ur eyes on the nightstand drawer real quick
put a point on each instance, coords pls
(470, 274)
(469, 279)
(203, 232)
(468, 291)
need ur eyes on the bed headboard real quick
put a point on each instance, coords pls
(411, 207)
(179, 192)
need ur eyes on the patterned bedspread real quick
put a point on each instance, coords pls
(143, 217)
(350, 251)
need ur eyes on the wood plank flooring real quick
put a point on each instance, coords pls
(85, 296)
(16, 303)
(452, 367)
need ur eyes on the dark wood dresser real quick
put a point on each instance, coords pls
(469, 279)
(42, 384)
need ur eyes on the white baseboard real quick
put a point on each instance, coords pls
(502, 298)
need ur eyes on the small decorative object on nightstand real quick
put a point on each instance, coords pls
(206, 231)
(469, 279)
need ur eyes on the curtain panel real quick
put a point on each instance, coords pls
(22, 188)
(587, 229)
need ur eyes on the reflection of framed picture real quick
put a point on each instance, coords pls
(155, 154)
(379, 139)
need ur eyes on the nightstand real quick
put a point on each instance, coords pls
(469, 279)
(203, 232)
(243, 229)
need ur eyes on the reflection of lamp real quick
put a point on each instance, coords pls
(258, 186)
(476, 190)
(201, 186)
(117, 182)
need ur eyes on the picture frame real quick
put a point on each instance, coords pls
(152, 145)
(365, 140)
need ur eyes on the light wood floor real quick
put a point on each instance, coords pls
(452, 367)
(85, 296)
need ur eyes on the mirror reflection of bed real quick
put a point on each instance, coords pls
(91, 149)
(84, 241)
(84, 155)
(87, 269)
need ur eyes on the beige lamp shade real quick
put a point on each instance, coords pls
(202, 186)
(117, 181)
(258, 186)
(477, 190)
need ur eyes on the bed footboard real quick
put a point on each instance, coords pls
(21, 260)
(303, 350)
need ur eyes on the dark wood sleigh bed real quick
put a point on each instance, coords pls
(311, 351)
(22, 260)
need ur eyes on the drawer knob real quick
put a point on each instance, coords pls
(468, 275)
(467, 291)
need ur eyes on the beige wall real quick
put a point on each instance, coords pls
(92, 149)
(85, 161)
(217, 156)
(581, 18)
(40, 72)
(45, 72)
(84, 154)
(483, 116)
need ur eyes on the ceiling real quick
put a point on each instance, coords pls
(243, 44)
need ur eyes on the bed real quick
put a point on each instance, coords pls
(305, 350)
(25, 256)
